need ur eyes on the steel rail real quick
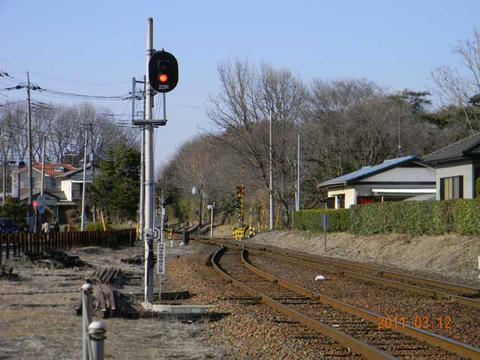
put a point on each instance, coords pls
(445, 343)
(379, 280)
(350, 342)
(418, 279)
(317, 261)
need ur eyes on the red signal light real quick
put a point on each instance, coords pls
(163, 78)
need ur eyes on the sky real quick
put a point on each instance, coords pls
(96, 47)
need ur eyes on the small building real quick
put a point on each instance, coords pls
(457, 167)
(394, 179)
(63, 186)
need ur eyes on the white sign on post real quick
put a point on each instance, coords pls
(161, 259)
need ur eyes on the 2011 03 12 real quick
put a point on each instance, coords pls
(420, 322)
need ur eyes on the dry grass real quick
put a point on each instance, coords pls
(38, 325)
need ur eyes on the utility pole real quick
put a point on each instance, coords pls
(141, 208)
(84, 181)
(4, 179)
(272, 218)
(298, 173)
(42, 183)
(30, 170)
(149, 179)
(92, 165)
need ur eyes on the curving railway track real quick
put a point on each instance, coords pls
(355, 329)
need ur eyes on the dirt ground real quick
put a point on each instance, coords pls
(37, 310)
(449, 256)
(38, 320)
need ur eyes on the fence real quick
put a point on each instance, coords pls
(14, 245)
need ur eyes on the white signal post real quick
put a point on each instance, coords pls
(149, 178)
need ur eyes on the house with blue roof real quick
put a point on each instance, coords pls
(397, 179)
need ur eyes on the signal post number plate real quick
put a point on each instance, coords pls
(161, 259)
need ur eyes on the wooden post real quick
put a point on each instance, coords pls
(14, 243)
(7, 249)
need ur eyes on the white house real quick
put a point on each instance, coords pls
(394, 179)
(62, 187)
(457, 168)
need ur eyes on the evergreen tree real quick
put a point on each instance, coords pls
(116, 189)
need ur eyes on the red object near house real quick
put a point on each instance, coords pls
(365, 200)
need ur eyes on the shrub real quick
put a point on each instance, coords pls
(443, 217)
(97, 226)
(405, 217)
(312, 219)
(466, 215)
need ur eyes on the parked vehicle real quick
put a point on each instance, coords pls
(7, 226)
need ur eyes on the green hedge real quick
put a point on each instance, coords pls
(312, 219)
(403, 217)
(417, 218)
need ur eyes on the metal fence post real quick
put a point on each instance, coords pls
(87, 290)
(96, 332)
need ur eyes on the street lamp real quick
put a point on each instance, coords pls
(211, 207)
(196, 191)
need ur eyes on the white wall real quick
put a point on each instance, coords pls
(466, 170)
(66, 187)
(350, 196)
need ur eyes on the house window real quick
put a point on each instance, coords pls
(451, 188)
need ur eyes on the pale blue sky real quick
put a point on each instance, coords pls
(96, 47)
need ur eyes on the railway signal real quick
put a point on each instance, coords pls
(163, 71)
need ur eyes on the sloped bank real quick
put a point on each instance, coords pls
(450, 256)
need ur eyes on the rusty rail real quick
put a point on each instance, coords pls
(356, 346)
(431, 338)
(318, 261)
(379, 280)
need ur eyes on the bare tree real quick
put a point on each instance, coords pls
(455, 86)
(241, 112)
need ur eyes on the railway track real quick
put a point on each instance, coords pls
(359, 330)
(436, 289)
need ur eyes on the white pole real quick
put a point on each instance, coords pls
(4, 179)
(149, 180)
(162, 219)
(211, 220)
(84, 180)
(96, 332)
(298, 172)
(42, 185)
(141, 207)
(86, 316)
(30, 159)
(272, 219)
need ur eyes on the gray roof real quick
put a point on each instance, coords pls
(423, 197)
(368, 171)
(454, 151)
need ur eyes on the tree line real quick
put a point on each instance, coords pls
(343, 124)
